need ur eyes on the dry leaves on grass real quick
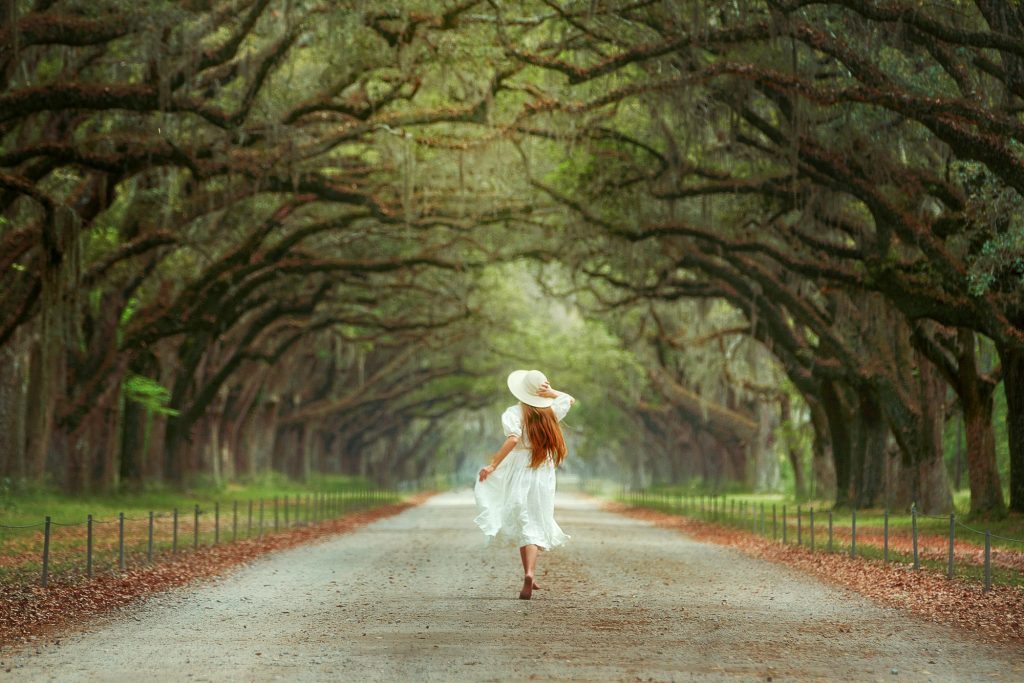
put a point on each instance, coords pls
(29, 612)
(997, 616)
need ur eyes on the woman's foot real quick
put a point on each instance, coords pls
(528, 587)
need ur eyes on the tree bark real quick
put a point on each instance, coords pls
(1013, 385)
(838, 419)
(977, 403)
(868, 454)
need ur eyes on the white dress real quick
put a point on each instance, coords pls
(516, 500)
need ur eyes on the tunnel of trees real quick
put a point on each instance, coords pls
(766, 243)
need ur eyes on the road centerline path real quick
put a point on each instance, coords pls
(417, 597)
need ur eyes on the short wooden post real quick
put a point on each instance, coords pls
(830, 530)
(174, 535)
(952, 541)
(248, 530)
(276, 515)
(913, 533)
(784, 530)
(46, 552)
(261, 519)
(811, 522)
(195, 528)
(775, 523)
(88, 546)
(853, 533)
(988, 561)
(120, 540)
(216, 523)
(234, 521)
(799, 525)
(286, 523)
(149, 540)
(885, 536)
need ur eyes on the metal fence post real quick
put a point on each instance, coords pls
(46, 552)
(120, 540)
(913, 533)
(853, 533)
(952, 540)
(88, 546)
(174, 538)
(149, 542)
(195, 528)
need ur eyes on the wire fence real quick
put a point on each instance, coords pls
(961, 550)
(47, 551)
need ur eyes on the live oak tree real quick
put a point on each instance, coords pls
(835, 117)
(257, 234)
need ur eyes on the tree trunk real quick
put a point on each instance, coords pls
(40, 424)
(976, 401)
(1013, 385)
(13, 411)
(766, 465)
(133, 444)
(933, 494)
(823, 469)
(869, 453)
(839, 436)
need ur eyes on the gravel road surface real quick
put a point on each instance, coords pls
(416, 597)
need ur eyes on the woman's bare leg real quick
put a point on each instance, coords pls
(528, 553)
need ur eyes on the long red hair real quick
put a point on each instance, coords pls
(541, 428)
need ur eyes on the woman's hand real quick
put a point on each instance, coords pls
(486, 471)
(546, 391)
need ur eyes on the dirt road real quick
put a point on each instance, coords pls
(418, 597)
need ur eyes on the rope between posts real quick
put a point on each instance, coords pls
(21, 526)
(961, 524)
(68, 523)
(1004, 538)
(991, 535)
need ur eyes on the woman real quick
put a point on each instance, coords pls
(515, 494)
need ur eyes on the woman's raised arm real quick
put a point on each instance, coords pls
(505, 449)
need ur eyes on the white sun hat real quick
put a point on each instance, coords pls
(524, 385)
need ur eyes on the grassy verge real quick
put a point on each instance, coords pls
(784, 521)
(205, 516)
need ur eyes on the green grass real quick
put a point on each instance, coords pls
(225, 514)
(1011, 526)
(744, 512)
(31, 507)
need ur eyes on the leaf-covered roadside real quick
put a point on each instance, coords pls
(26, 614)
(996, 616)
